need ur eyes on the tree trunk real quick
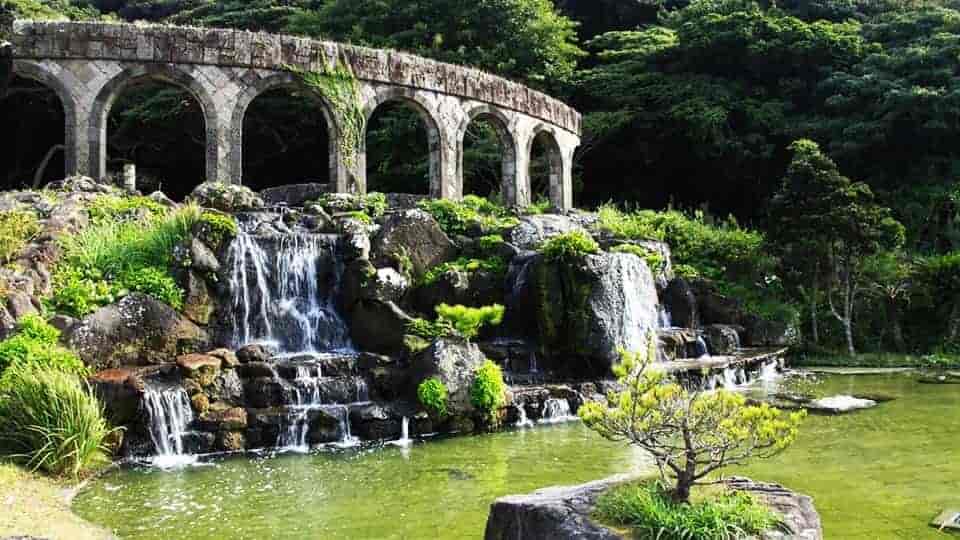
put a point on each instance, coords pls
(681, 493)
(953, 325)
(893, 319)
(814, 325)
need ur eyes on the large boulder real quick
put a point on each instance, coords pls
(139, 330)
(722, 339)
(453, 362)
(378, 326)
(762, 332)
(714, 307)
(586, 311)
(226, 197)
(414, 236)
(532, 231)
(294, 194)
(477, 288)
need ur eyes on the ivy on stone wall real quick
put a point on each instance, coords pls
(339, 86)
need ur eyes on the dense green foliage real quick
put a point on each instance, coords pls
(655, 261)
(36, 343)
(432, 394)
(50, 420)
(569, 246)
(471, 214)
(648, 510)
(119, 254)
(16, 229)
(467, 321)
(494, 265)
(488, 392)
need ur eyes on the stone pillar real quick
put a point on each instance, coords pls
(518, 195)
(445, 170)
(130, 177)
(220, 140)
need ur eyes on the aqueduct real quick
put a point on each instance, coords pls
(88, 64)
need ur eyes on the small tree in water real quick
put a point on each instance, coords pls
(690, 434)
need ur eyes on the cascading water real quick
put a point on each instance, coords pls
(700, 348)
(283, 290)
(555, 411)
(522, 420)
(404, 439)
(169, 413)
(664, 318)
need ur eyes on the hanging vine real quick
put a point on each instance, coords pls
(340, 87)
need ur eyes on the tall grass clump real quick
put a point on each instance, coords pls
(36, 343)
(118, 256)
(650, 512)
(50, 421)
(16, 229)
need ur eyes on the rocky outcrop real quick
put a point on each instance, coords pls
(453, 362)
(722, 339)
(139, 330)
(558, 513)
(468, 288)
(585, 312)
(680, 301)
(411, 237)
(563, 513)
(294, 194)
(226, 197)
(378, 326)
(532, 231)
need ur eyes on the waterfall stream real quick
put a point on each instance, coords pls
(555, 411)
(169, 413)
(283, 290)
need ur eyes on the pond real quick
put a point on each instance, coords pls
(881, 473)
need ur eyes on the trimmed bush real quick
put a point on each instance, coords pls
(494, 265)
(467, 321)
(155, 282)
(568, 246)
(470, 213)
(35, 343)
(488, 392)
(432, 394)
(112, 208)
(649, 511)
(218, 227)
(50, 420)
(16, 229)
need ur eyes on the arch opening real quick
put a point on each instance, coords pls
(489, 158)
(158, 126)
(37, 155)
(402, 149)
(546, 170)
(286, 139)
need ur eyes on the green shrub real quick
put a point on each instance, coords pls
(649, 511)
(490, 242)
(467, 321)
(654, 260)
(494, 265)
(541, 206)
(155, 282)
(488, 392)
(572, 245)
(218, 227)
(16, 229)
(432, 394)
(360, 216)
(625, 225)
(36, 343)
(429, 330)
(376, 204)
(472, 212)
(77, 295)
(112, 208)
(50, 420)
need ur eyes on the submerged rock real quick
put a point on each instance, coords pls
(139, 330)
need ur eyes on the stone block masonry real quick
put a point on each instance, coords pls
(89, 64)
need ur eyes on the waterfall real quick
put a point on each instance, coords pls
(522, 420)
(169, 412)
(664, 318)
(404, 439)
(700, 348)
(343, 425)
(729, 378)
(769, 371)
(283, 290)
(555, 411)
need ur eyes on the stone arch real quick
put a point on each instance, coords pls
(36, 71)
(108, 94)
(555, 158)
(273, 82)
(508, 145)
(410, 97)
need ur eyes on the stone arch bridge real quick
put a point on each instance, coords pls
(88, 65)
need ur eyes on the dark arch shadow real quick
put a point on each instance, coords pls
(409, 126)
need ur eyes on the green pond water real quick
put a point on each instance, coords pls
(878, 474)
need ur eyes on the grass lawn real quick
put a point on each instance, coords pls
(35, 505)
(863, 360)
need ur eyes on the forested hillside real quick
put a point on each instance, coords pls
(846, 109)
